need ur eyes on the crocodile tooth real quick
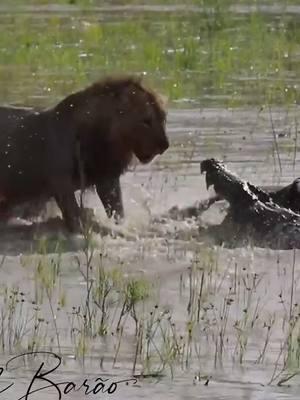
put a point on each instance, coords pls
(209, 181)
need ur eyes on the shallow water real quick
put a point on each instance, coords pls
(260, 145)
(175, 179)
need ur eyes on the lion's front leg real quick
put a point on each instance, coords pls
(74, 217)
(109, 192)
(70, 210)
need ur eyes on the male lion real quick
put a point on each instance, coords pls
(89, 138)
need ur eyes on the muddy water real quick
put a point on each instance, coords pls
(245, 139)
(259, 145)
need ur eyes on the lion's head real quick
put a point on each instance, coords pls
(142, 121)
(117, 118)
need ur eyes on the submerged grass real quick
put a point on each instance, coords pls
(117, 314)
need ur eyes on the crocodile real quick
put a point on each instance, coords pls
(255, 215)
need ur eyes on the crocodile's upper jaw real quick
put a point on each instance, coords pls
(226, 184)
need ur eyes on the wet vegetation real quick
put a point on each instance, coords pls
(222, 312)
(221, 52)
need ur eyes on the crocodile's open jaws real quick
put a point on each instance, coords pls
(268, 219)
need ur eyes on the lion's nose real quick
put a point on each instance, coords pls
(296, 185)
(163, 145)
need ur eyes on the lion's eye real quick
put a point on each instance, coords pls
(147, 122)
